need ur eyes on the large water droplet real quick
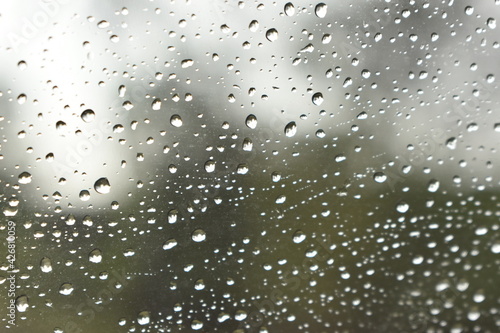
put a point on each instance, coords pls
(144, 318)
(24, 178)
(66, 289)
(88, 116)
(402, 207)
(379, 177)
(272, 35)
(433, 185)
(320, 10)
(198, 235)
(22, 303)
(176, 120)
(46, 265)
(291, 129)
(156, 105)
(210, 166)
(169, 244)
(289, 9)
(251, 121)
(95, 256)
(317, 99)
(102, 186)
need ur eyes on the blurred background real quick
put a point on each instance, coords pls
(246, 166)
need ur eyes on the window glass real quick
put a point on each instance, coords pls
(249, 166)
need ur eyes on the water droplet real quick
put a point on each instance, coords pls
(251, 121)
(84, 195)
(495, 248)
(127, 105)
(210, 166)
(22, 65)
(122, 90)
(474, 314)
(492, 23)
(199, 284)
(46, 265)
(469, 10)
(299, 237)
(198, 235)
(66, 289)
(22, 303)
(379, 177)
(247, 144)
(102, 185)
(254, 26)
(272, 35)
(289, 9)
(433, 185)
(143, 318)
(281, 199)
(242, 169)
(276, 176)
(451, 143)
(291, 129)
(21, 99)
(196, 325)
(88, 116)
(402, 207)
(156, 105)
(187, 63)
(24, 178)
(320, 10)
(172, 216)
(320, 134)
(317, 98)
(95, 256)
(169, 244)
(103, 24)
(176, 120)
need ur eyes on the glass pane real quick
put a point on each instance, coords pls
(245, 166)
